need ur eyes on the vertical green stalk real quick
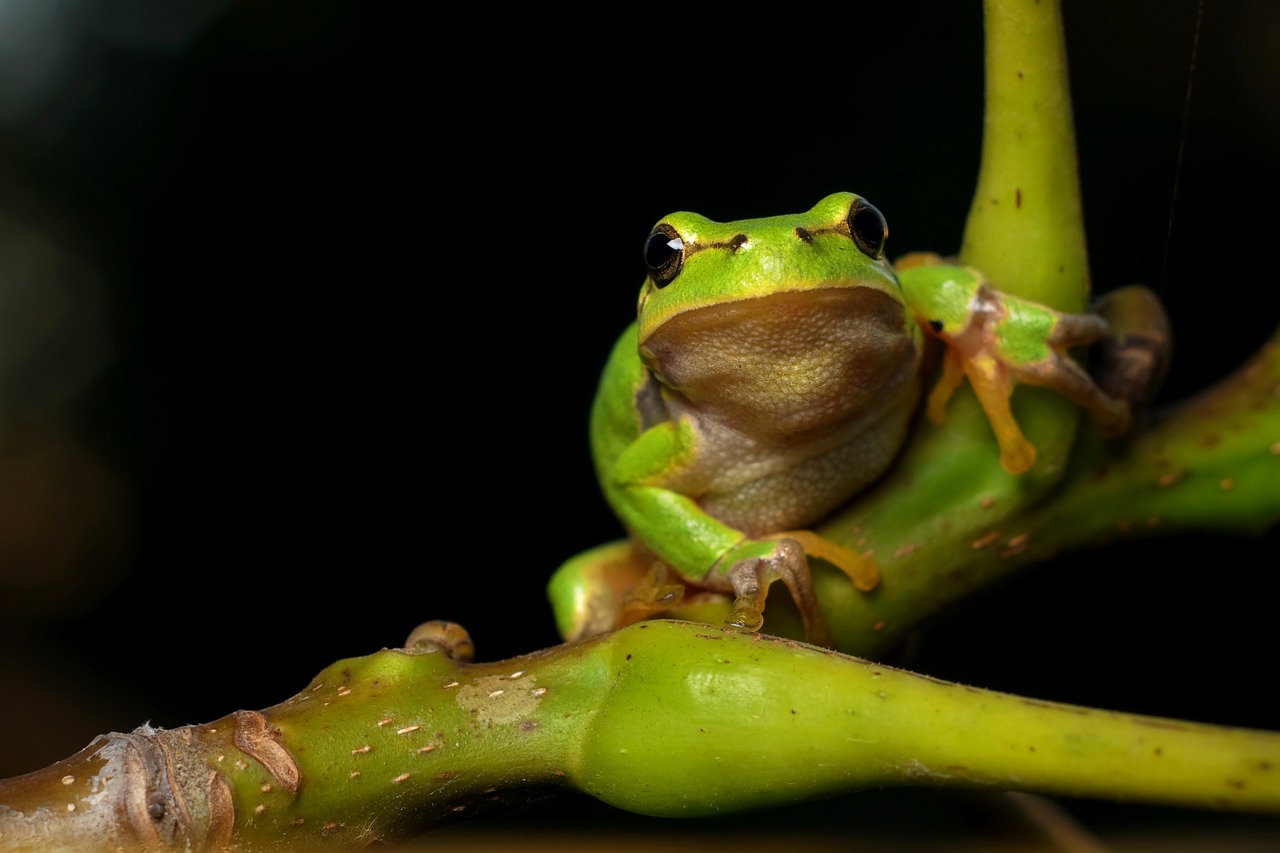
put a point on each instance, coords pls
(1025, 229)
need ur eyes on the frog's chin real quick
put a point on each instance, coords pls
(791, 361)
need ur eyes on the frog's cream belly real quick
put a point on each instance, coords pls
(765, 495)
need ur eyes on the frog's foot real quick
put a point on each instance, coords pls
(1130, 361)
(589, 592)
(953, 371)
(754, 566)
(861, 569)
(651, 596)
(1007, 341)
(1059, 371)
(993, 385)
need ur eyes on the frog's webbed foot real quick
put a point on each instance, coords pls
(1130, 361)
(1131, 346)
(1059, 371)
(750, 574)
(861, 569)
(598, 590)
(651, 596)
(1008, 341)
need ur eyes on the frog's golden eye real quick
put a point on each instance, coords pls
(868, 228)
(664, 254)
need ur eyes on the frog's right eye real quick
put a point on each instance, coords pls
(664, 255)
(868, 228)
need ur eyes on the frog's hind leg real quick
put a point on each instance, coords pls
(651, 596)
(608, 587)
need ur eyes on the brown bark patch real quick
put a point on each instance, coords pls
(256, 737)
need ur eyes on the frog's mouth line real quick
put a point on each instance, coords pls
(781, 297)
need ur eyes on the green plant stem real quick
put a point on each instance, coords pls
(662, 718)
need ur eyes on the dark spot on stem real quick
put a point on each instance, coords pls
(936, 325)
(804, 235)
(1017, 198)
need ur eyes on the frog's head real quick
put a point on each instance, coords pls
(793, 306)
(696, 263)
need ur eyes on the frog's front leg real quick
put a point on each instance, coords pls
(998, 341)
(754, 566)
(713, 555)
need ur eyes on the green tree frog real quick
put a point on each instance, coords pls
(771, 374)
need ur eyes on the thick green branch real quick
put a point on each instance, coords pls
(647, 719)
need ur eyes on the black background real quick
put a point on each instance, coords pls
(362, 264)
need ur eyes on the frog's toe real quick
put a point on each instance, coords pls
(750, 578)
(1130, 361)
(745, 617)
(749, 592)
(651, 596)
(1017, 454)
(861, 569)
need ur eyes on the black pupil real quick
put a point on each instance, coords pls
(868, 228)
(658, 250)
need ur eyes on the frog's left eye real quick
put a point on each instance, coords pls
(664, 254)
(868, 228)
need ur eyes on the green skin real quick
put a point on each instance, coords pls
(771, 375)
